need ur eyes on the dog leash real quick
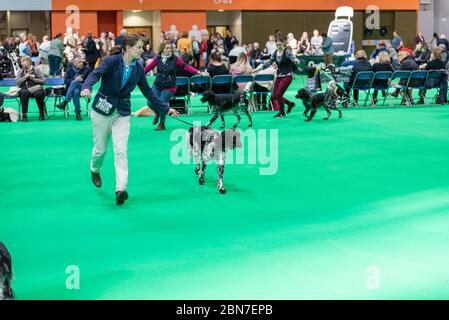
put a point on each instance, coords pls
(188, 123)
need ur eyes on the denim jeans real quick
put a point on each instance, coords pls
(74, 92)
(164, 95)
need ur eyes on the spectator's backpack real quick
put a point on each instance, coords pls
(6, 292)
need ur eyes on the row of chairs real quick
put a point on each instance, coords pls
(368, 81)
(49, 83)
(227, 84)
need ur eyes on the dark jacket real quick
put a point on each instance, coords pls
(380, 67)
(436, 65)
(409, 64)
(111, 72)
(422, 56)
(92, 53)
(72, 73)
(361, 65)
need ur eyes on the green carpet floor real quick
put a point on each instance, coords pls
(357, 199)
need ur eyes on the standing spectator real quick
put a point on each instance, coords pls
(55, 55)
(229, 41)
(91, 50)
(434, 42)
(74, 79)
(397, 42)
(287, 65)
(419, 38)
(196, 50)
(44, 49)
(30, 81)
(317, 42)
(34, 45)
(24, 47)
(271, 45)
(204, 52)
(328, 48)
(119, 39)
(185, 44)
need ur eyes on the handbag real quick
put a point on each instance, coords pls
(35, 88)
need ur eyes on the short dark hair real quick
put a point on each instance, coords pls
(130, 40)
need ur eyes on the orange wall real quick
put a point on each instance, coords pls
(88, 22)
(183, 20)
(235, 5)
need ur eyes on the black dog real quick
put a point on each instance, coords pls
(221, 103)
(6, 292)
(328, 100)
(207, 144)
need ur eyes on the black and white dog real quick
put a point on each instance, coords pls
(207, 144)
(329, 100)
(6, 292)
(221, 103)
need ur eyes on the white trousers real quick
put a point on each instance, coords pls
(119, 127)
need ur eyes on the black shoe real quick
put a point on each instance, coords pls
(41, 116)
(24, 118)
(62, 105)
(375, 101)
(280, 115)
(156, 119)
(78, 117)
(290, 107)
(96, 179)
(121, 197)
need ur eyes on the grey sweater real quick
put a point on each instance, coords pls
(21, 77)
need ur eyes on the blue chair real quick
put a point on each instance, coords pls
(399, 81)
(417, 81)
(222, 84)
(54, 83)
(362, 82)
(183, 91)
(11, 82)
(263, 78)
(381, 82)
(435, 81)
(242, 79)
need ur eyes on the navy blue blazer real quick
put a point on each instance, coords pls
(110, 72)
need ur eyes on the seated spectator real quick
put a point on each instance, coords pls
(188, 59)
(393, 54)
(255, 56)
(407, 62)
(215, 66)
(421, 53)
(241, 67)
(30, 81)
(304, 46)
(443, 53)
(381, 47)
(74, 79)
(435, 63)
(264, 86)
(235, 52)
(382, 63)
(362, 64)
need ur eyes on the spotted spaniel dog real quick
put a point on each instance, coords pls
(6, 292)
(206, 145)
(329, 100)
(220, 103)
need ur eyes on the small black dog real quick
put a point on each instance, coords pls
(328, 100)
(221, 103)
(6, 292)
(207, 144)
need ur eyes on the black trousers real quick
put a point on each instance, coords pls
(2, 97)
(25, 96)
